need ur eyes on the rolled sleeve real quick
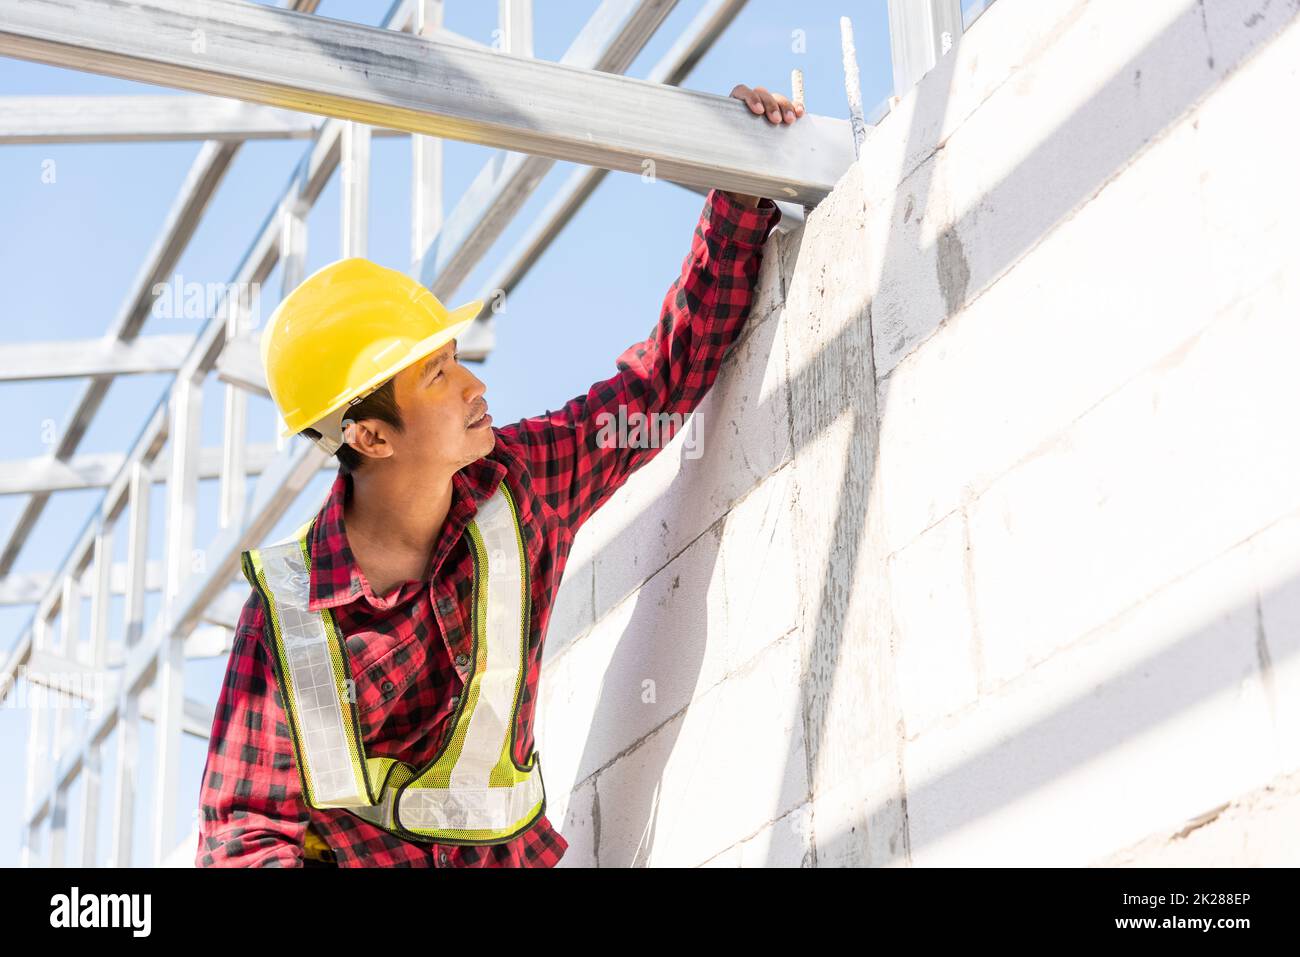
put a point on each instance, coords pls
(574, 464)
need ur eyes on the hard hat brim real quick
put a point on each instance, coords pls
(459, 321)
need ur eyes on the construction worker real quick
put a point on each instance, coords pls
(377, 708)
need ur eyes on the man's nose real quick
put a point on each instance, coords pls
(474, 387)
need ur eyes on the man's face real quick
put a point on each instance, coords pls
(439, 398)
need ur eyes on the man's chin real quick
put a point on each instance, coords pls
(486, 442)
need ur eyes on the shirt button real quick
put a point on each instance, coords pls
(387, 686)
(442, 857)
(455, 701)
(462, 660)
(444, 605)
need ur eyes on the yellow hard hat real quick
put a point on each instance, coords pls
(345, 331)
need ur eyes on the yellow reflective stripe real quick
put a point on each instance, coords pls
(439, 775)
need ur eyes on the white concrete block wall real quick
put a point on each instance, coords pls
(993, 552)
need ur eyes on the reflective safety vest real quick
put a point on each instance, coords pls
(472, 792)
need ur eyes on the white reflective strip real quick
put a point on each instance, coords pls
(323, 736)
(470, 808)
(381, 813)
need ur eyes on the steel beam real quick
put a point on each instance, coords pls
(516, 27)
(158, 118)
(206, 642)
(71, 678)
(383, 78)
(195, 716)
(234, 445)
(25, 588)
(97, 470)
(920, 33)
(37, 730)
(183, 436)
(146, 118)
(224, 611)
(426, 156)
(240, 362)
(70, 359)
(97, 658)
(354, 176)
(128, 710)
(61, 742)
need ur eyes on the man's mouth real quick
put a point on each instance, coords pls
(483, 421)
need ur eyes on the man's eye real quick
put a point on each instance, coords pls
(454, 355)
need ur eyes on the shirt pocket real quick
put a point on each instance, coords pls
(383, 671)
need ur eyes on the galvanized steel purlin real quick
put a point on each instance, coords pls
(428, 86)
(920, 33)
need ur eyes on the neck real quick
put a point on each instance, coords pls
(403, 513)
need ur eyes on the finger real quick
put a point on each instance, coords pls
(786, 107)
(744, 93)
(770, 106)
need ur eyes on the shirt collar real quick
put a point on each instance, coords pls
(337, 579)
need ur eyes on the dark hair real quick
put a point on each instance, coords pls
(380, 404)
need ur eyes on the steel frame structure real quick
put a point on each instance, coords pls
(335, 102)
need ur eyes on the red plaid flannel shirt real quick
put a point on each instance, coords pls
(409, 650)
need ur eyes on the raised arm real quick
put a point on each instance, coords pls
(576, 455)
(251, 809)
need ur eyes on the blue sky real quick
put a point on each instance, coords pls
(70, 250)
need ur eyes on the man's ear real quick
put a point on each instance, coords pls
(368, 437)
